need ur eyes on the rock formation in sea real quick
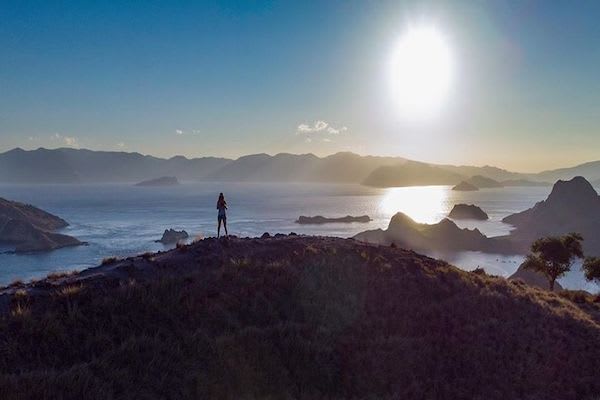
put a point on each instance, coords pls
(483, 182)
(317, 220)
(172, 236)
(524, 183)
(572, 206)
(443, 236)
(29, 228)
(162, 181)
(467, 211)
(465, 187)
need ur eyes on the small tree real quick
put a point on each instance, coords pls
(591, 269)
(553, 256)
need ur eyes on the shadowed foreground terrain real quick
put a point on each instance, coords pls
(293, 317)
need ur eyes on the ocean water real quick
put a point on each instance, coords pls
(122, 220)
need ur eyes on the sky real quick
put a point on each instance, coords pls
(231, 78)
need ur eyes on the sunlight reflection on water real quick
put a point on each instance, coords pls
(424, 204)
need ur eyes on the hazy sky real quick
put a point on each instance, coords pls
(193, 78)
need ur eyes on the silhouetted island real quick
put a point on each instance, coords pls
(293, 317)
(29, 229)
(465, 187)
(524, 183)
(324, 220)
(483, 182)
(443, 236)
(172, 236)
(162, 181)
(467, 211)
(572, 206)
(411, 173)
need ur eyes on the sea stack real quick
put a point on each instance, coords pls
(30, 229)
(468, 211)
(465, 187)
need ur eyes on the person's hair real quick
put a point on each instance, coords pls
(221, 197)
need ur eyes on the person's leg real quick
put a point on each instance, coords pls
(225, 226)
(218, 227)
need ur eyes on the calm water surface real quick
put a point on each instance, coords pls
(122, 220)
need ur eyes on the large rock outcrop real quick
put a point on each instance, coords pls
(172, 236)
(319, 219)
(31, 229)
(483, 182)
(443, 236)
(572, 206)
(465, 187)
(467, 211)
(162, 181)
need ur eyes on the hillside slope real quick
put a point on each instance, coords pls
(28, 228)
(292, 317)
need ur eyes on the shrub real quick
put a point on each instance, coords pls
(479, 271)
(181, 246)
(553, 256)
(55, 275)
(109, 260)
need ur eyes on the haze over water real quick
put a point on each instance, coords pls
(122, 220)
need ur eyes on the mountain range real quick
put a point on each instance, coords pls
(67, 165)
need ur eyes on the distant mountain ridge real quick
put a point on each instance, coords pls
(67, 165)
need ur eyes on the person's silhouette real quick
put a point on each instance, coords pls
(222, 216)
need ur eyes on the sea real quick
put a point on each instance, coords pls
(122, 220)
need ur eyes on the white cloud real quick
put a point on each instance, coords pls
(317, 126)
(181, 132)
(336, 131)
(121, 145)
(320, 127)
(70, 141)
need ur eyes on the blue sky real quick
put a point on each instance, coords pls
(232, 78)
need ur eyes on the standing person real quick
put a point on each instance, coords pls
(222, 216)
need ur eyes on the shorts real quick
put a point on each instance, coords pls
(222, 217)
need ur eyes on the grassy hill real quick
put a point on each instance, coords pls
(293, 317)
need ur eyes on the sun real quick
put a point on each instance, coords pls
(421, 71)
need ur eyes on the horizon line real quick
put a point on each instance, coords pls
(18, 148)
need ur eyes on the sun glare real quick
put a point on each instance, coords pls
(425, 204)
(421, 71)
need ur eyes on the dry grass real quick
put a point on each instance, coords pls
(16, 283)
(69, 290)
(20, 311)
(362, 323)
(181, 246)
(109, 260)
(56, 275)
